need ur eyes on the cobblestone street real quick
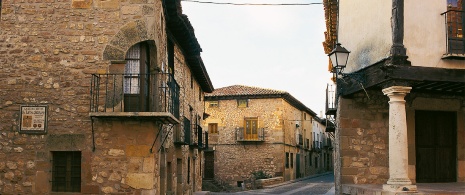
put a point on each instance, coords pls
(318, 185)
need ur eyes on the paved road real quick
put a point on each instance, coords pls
(323, 185)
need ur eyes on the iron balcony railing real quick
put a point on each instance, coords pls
(455, 40)
(183, 136)
(330, 100)
(250, 135)
(134, 93)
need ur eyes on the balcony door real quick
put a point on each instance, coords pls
(436, 143)
(136, 78)
(251, 129)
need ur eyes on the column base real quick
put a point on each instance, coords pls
(408, 188)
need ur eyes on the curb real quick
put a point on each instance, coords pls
(297, 180)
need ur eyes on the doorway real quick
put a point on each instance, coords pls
(436, 143)
(209, 165)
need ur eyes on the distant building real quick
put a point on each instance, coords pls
(254, 130)
(399, 106)
(100, 97)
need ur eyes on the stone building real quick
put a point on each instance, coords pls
(256, 130)
(100, 97)
(400, 101)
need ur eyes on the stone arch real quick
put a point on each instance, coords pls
(128, 35)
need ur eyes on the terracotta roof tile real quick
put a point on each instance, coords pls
(238, 90)
(235, 91)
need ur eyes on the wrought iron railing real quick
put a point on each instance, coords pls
(455, 40)
(183, 135)
(330, 100)
(134, 93)
(252, 135)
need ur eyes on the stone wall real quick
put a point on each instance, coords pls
(362, 150)
(363, 138)
(235, 161)
(48, 51)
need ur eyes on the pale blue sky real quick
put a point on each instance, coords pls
(276, 47)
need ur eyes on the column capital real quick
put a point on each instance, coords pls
(396, 90)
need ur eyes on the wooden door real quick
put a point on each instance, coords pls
(297, 166)
(209, 165)
(436, 142)
(251, 129)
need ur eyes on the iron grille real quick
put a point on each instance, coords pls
(134, 93)
(455, 42)
(242, 135)
(66, 171)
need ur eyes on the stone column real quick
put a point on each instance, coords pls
(398, 146)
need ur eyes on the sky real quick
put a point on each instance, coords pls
(274, 47)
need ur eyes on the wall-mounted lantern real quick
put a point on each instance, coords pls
(338, 58)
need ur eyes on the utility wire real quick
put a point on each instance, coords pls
(267, 4)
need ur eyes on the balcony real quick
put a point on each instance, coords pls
(140, 96)
(455, 40)
(199, 140)
(328, 143)
(329, 124)
(331, 102)
(316, 146)
(255, 135)
(182, 136)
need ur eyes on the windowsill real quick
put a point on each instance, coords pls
(164, 117)
(454, 56)
(250, 140)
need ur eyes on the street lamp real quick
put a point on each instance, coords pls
(338, 58)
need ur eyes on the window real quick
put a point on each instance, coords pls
(136, 78)
(170, 57)
(200, 94)
(242, 103)
(213, 128)
(188, 170)
(179, 170)
(213, 104)
(292, 160)
(251, 128)
(66, 171)
(316, 162)
(310, 159)
(287, 159)
(455, 25)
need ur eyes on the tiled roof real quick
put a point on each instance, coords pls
(242, 90)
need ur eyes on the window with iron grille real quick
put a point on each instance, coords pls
(66, 171)
(455, 22)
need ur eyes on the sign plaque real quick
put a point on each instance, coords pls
(33, 119)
